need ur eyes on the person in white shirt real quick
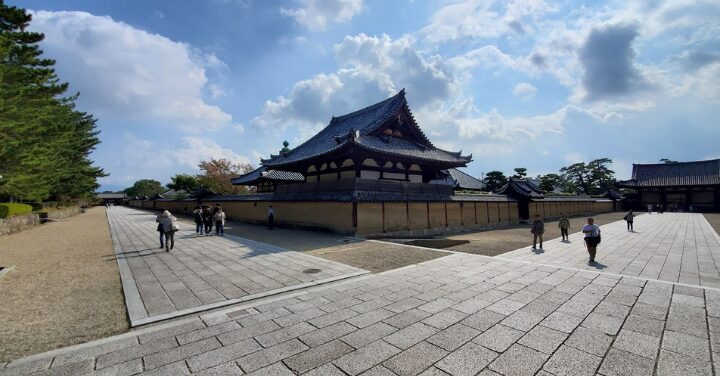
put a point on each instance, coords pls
(219, 218)
(592, 237)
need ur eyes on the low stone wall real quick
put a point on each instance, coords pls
(18, 223)
(63, 213)
(554, 209)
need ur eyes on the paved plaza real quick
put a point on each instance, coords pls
(675, 247)
(203, 272)
(461, 314)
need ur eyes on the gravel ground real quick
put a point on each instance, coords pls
(495, 242)
(62, 291)
(714, 219)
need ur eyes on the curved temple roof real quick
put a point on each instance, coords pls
(356, 130)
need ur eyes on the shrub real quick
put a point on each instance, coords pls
(10, 209)
(36, 206)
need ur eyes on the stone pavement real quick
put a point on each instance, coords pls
(201, 273)
(675, 247)
(459, 315)
(462, 314)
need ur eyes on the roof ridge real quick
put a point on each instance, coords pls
(373, 106)
(677, 163)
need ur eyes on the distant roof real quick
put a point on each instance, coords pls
(674, 174)
(465, 181)
(613, 194)
(262, 173)
(110, 195)
(521, 188)
(355, 130)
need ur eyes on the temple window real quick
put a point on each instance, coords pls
(370, 162)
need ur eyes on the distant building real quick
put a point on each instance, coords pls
(533, 200)
(682, 184)
(114, 198)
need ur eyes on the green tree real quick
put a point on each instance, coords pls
(549, 182)
(183, 182)
(588, 178)
(494, 180)
(217, 173)
(145, 187)
(520, 173)
(44, 142)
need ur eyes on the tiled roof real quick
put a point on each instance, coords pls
(465, 181)
(674, 174)
(354, 129)
(262, 173)
(521, 188)
(364, 196)
(613, 195)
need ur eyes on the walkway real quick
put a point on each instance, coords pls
(204, 272)
(461, 314)
(675, 247)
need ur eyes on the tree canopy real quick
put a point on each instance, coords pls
(45, 142)
(494, 180)
(145, 187)
(183, 182)
(589, 178)
(549, 182)
(520, 173)
(216, 174)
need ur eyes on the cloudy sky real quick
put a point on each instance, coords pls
(520, 83)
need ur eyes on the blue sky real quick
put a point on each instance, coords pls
(520, 83)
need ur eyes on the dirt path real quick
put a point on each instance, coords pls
(714, 219)
(495, 242)
(62, 291)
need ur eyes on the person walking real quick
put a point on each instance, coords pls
(208, 218)
(160, 229)
(219, 222)
(592, 237)
(170, 226)
(271, 217)
(650, 207)
(564, 225)
(538, 229)
(629, 219)
(199, 221)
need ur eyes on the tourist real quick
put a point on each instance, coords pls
(207, 217)
(271, 217)
(219, 221)
(160, 229)
(538, 228)
(592, 237)
(199, 222)
(629, 219)
(564, 225)
(661, 208)
(650, 207)
(170, 226)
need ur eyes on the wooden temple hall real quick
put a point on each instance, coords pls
(686, 186)
(372, 172)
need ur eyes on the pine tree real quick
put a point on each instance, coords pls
(44, 142)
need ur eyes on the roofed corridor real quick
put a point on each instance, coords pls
(675, 247)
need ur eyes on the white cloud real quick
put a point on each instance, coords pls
(372, 68)
(316, 15)
(127, 73)
(524, 90)
(483, 19)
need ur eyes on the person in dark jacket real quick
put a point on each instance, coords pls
(564, 225)
(208, 218)
(538, 229)
(199, 220)
(629, 217)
